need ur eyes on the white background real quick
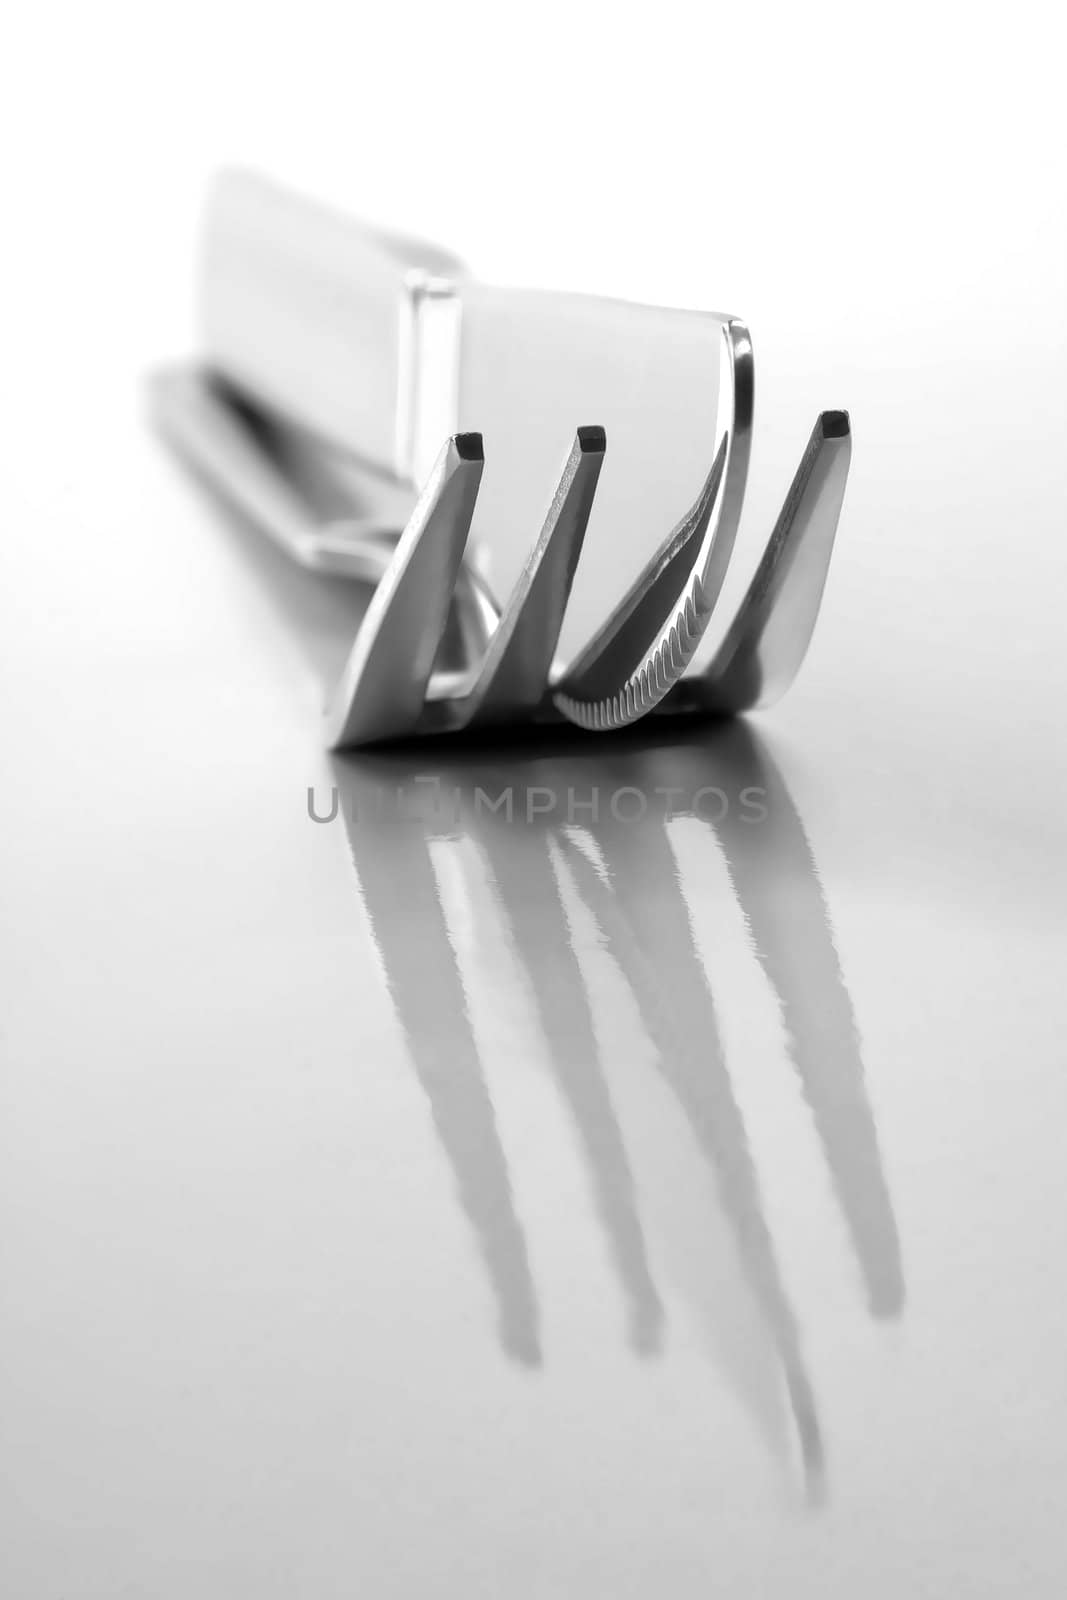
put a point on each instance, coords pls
(890, 177)
(247, 1347)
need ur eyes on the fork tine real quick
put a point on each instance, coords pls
(382, 688)
(765, 644)
(514, 674)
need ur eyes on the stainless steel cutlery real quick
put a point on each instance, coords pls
(352, 391)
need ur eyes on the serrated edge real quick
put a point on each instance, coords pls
(649, 683)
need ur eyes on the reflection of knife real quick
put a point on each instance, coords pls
(645, 923)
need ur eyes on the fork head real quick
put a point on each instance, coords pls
(637, 661)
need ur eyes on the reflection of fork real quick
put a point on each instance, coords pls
(315, 327)
(551, 845)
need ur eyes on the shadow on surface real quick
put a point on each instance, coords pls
(558, 820)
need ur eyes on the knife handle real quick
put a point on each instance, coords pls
(348, 332)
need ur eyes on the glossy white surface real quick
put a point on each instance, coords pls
(454, 1207)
